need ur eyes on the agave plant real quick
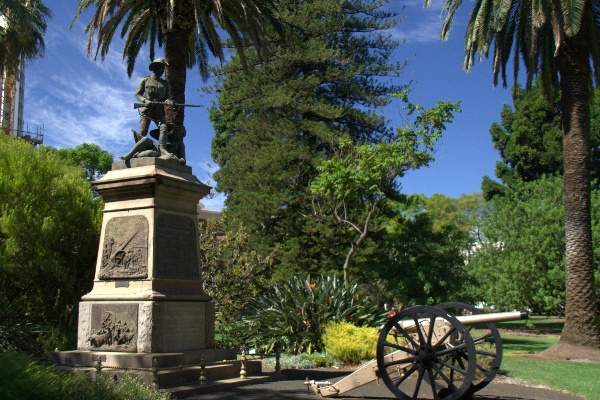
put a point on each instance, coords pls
(293, 315)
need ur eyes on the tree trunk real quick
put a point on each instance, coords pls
(581, 325)
(347, 264)
(176, 55)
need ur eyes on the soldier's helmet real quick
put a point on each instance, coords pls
(156, 63)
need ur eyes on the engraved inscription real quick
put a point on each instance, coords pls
(125, 249)
(176, 248)
(184, 326)
(114, 327)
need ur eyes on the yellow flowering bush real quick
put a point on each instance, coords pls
(350, 344)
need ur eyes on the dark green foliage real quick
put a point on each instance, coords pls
(23, 379)
(49, 232)
(276, 123)
(522, 263)
(95, 161)
(529, 139)
(293, 314)
(232, 272)
(18, 331)
(428, 242)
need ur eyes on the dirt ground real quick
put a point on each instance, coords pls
(567, 351)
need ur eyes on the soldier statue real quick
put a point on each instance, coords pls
(153, 92)
(154, 89)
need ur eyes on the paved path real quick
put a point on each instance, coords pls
(292, 387)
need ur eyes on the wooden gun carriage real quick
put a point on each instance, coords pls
(446, 352)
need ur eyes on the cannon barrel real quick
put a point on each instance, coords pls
(475, 319)
(492, 318)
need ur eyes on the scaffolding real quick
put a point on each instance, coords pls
(34, 137)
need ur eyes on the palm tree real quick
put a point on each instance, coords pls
(556, 39)
(22, 28)
(187, 29)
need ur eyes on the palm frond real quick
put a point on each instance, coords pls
(572, 12)
(138, 35)
(479, 32)
(107, 30)
(201, 56)
(450, 8)
(501, 12)
(153, 38)
(509, 35)
(204, 35)
(547, 67)
(557, 24)
(207, 30)
(539, 13)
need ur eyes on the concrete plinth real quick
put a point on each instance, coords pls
(147, 302)
(153, 326)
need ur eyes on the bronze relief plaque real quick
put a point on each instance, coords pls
(114, 327)
(176, 248)
(125, 248)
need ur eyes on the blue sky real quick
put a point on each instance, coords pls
(80, 100)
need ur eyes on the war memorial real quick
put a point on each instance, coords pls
(147, 311)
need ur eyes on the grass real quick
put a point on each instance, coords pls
(579, 378)
(575, 377)
(537, 322)
(526, 344)
(24, 379)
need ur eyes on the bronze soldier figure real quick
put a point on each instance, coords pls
(154, 89)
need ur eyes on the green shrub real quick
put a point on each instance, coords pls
(350, 344)
(232, 271)
(293, 315)
(49, 232)
(320, 359)
(23, 379)
(17, 331)
(229, 334)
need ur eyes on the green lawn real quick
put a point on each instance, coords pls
(526, 344)
(539, 322)
(580, 378)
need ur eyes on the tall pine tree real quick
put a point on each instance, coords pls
(326, 80)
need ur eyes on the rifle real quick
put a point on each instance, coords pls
(140, 105)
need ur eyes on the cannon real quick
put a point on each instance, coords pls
(446, 352)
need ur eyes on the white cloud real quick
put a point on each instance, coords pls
(77, 99)
(423, 25)
(215, 203)
(79, 109)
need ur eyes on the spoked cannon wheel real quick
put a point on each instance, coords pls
(413, 353)
(488, 346)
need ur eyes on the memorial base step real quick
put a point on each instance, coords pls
(172, 369)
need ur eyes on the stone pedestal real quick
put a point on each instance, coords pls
(147, 298)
